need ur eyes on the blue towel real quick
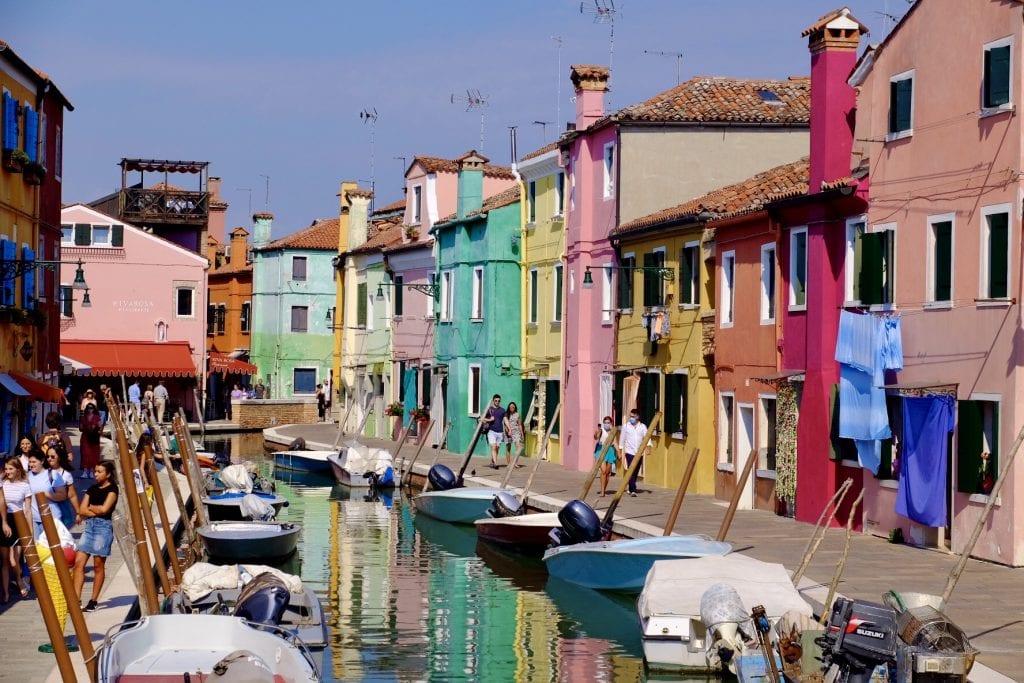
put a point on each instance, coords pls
(927, 423)
(892, 344)
(869, 455)
(862, 413)
(857, 341)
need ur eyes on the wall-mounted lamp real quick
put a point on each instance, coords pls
(664, 273)
(429, 290)
(332, 313)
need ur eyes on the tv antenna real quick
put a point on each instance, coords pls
(604, 12)
(369, 115)
(249, 190)
(543, 129)
(558, 82)
(266, 197)
(473, 99)
(404, 167)
(662, 53)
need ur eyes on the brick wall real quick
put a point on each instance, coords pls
(260, 414)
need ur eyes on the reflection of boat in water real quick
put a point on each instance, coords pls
(303, 478)
(304, 461)
(523, 572)
(452, 538)
(593, 614)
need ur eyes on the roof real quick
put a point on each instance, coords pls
(715, 99)
(503, 198)
(398, 205)
(229, 268)
(747, 196)
(40, 77)
(167, 186)
(418, 243)
(388, 234)
(834, 14)
(439, 165)
(132, 358)
(321, 234)
(543, 150)
(359, 192)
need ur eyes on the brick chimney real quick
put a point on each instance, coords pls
(358, 216)
(262, 224)
(344, 206)
(590, 83)
(833, 42)
(218, 209)
(471, 183)
(239, 247)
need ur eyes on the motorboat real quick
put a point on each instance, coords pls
(449, 502)
(528, 533)
(249, 541)
(359, 466)
(304, 461)
(674, 632)
(228, 506)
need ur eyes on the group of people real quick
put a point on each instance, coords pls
(504, 426)
(631, 437)
(152, 401)
(239, 392)
(44, 466)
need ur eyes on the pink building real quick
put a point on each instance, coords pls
(432, 189)
(147, 318)
(938, 124)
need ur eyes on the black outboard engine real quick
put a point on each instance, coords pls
(263, 600)
(505, 504)
(298, 445)
(441, 478)
(580, 524)
(860, 635)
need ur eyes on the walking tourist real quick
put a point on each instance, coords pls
(494, 418)
(96, 511)
(15, 491)
(58, 465)
(89, 443)
(513, 431)
(26, 446)
(321, 402)
(160, 395)
(54, 433)
(101, 404)
(633, 433)
(41, 480)
(89, 397)
(135, 398)
(603, 433)
(148, 400)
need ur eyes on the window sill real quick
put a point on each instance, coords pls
(444, 322)
(726, 326)
(899, 135)
(689, 307)
(850, 463)
(765, 474)
(530, 225)
(725, 467)
(937, 305)
(986, 112)
(983, 499)
(797, 308)
(767, 321)
(531, 326)
(607, 322)
(476, 320)
(994, 303)
(558, 218)
(626, 311)
(889, 483)
(677, 436)
(556, 324)
(882, 308)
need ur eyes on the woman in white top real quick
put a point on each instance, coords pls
(58, 462)
(15, 490)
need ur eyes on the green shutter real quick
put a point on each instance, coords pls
(673, 403)
(870, 276)
(83, 234)
(998, 249)
(650, 386)
(551, 399)
(997, 76)
(900, 93)
(650, 280)
(626, 273)
(399, 293)
(117, 235)
(685, 277)
(558, 294)
(361, 304)
(534, 284)
(943, 260)
(970, 423)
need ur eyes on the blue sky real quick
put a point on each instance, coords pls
(276, 88)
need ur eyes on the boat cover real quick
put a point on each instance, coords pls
(359, 459)
(236, 479)
(676, 586)
(203, 578)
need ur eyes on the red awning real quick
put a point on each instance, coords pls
(132, 358)
(221, 362)
(38, 389)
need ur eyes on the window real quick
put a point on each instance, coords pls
(557, 303)
(609, 170)
(798, 269)
(304, 380)
(689, 274)
(560, 193)
(477, 312)
(10, 120)
(399, 288)
(417, 204)
(725, 418)
(67, 234)
(766, 430)
(101, 235)
(369, 308)
(767, 284)
(626, 269)
(901, 105)
(676, 388)
(728, 288)
(184, 299)
(447, 307)
(995, 251)
(432, 300)
(246, 317)
(606, 294)
(66, 302)
(940, 258)
(474, 390)
(361, 304)
(222, 317)
(531, 189)
(978, 432)
(42, 140)
(299, 268)
(996, 86)
(300, 318)
(533, 313)
(211, 320)
(654, 283)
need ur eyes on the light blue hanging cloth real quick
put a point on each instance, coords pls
(858, 341)
(409, 382)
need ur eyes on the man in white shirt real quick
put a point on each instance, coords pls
(630, 439)
(160, 396)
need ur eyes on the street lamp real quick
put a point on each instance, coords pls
(429, 290)
(332, 313)
(12, 269)
(668, 274)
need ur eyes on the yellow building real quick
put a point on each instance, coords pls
(543, 294)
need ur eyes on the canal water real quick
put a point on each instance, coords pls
(409, 598)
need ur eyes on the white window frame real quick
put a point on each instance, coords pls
(906, 133)
(369, 307)
(761, 435)
(1008, 105)
(606, 294)
(417, 204)
(663, 293)
(769, 303)
(533, 292)
(478, 375)
(431, 300)
(987, 211)
(556, 294)
(93, 242)
(447, 287)
(694, 284)
(191, 288)
(608, 164)
(70, 242)
(850, 260)
(247, 327)
(793, 306)
(531, 202)
(476, 313)
(65, 288)
(559, 182)
(930, 270)
(728, 289)
(388, 315)
(726, 439)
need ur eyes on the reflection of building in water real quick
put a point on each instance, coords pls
(536, 639)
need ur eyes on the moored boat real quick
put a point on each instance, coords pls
(358, 466)
(529, 533)
(304, 461)
(460, 506)
(249, 541)
(227, 506)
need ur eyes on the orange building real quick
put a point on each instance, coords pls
(229, 317)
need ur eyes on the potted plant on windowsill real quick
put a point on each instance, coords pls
(395, 409)
(14, 160)
(412, 232)
(34, 173)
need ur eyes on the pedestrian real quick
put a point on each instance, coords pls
(58, 465)
(494, 418)
(54, 433)
(603, 433)
(321, 402)
(260, 391)
(101, 405)
(148, 400)
(632, 435)
(135, 398)
(15, 490)
(89, 443)
(96, 511)
(89, 397)
(160, 395)
(40, 480)
(26, 446)
(513, 431)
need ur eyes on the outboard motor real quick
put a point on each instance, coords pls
(580, 524)
(263, 600)
(441, 478)
(505, 504)
(298, 445)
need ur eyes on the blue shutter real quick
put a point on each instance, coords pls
(28, 281)
(9, 130)
(8, 252)
(31, 133)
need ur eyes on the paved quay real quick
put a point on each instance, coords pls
(988, 602)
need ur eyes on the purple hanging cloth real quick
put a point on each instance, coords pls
(922, 494)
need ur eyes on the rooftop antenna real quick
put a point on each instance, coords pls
(543, 129)
(662, 53)
(604, 12)
(249, 190)
(474, 100)
(369, 115)
(404, 167)
(266, 197)
(558, 83)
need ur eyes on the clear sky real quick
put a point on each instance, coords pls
(276, 89)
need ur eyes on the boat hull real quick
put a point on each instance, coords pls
(304, 461)
(230, 510)
(623, 565)
(459, 506)
(525, 532)
(234, 542)
(353, 480)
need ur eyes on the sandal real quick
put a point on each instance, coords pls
(24, 592)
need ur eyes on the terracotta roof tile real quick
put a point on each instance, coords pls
(391, 208)
(543, 150)
(705, 99)
(439, 165)
(419, 243)
(390, 234)
(834, 14)
(230, 269)
(165, 186)
(750, 195)
(359, 192)
(503, 198)
(322, 234)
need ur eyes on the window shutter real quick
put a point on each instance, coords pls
(361, 304)
(997, 76)
(943, 260)
(551, 399)
(970, 422)
(673, 402)
(800, 279)
(625, 287)
(31, 133)
(648, 396)
(904, 91)
(650, 280)
(28, 281)
(9, 252)
(998, 247)
(117, 235)
(558, 293)
(10, 130)
(685, 278)
(83, 234)
(870, 276)
(399, 301)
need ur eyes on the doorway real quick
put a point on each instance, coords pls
(744, 446)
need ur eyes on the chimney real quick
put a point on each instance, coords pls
(218, 209)
(358, 216)
(471, 183)
(345, 205)
(239, 247)
(833, 43)
(590, 83)
(262, 224)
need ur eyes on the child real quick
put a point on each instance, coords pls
(98, 537)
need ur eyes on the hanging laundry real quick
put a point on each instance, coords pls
(666, 327)
(858, 340)
(927, 424)
(892, 346)
(658, 325)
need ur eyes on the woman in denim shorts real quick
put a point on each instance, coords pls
(96, 509)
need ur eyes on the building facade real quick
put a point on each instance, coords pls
(228, 319)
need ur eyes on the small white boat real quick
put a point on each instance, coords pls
(359, 466)
(165, 647)
(674, 634)
(228, 506)
(524, 532)
(249, 541)
(458, 505)
(304, 461)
